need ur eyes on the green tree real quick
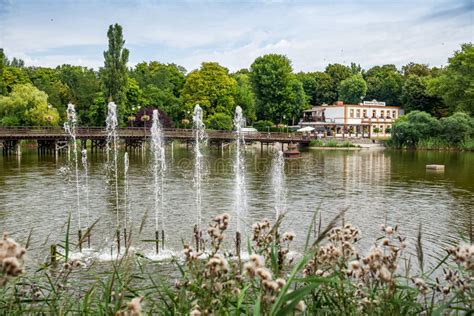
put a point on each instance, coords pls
(97, 111)
(13, 76)
(134, 98)
(297, 103)
(83, 85)
(271, 77)
(384, 83)
(3, 88)
(212, 88)
(338, 73)
(114, 73)
(457, 128)
(161, 85)
(456, 83)
(353, 89)
(220, 121)
(415, 96)
(408, 130)
(27, 106)
(318, 87)
(244, 96)
(48, 80)
(420, 70)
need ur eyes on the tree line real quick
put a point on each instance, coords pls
(269, 91)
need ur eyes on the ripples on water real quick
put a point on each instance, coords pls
(376, 187)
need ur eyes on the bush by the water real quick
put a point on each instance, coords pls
(331, 276)
(219, 121)
(421, 130)
(331, 143)
(263, 126)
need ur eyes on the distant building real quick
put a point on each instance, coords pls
(363, 120)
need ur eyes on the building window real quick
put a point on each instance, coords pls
(364, 112)
(382, 113)
(394, 114)
(351, 115)
(358, 113)
(374, 113)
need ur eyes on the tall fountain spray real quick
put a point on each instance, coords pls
(200, 139)
(112, 148)
(278, 183)
(71, 129)
(125, 197)
(159, 168)
(86, 190)
(240, 193)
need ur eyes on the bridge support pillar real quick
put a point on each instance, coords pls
(11, 147)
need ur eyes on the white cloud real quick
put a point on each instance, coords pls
(234, 34)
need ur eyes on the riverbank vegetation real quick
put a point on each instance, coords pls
(422, 131)
(268, 90)
(332, 144)
(331, 276)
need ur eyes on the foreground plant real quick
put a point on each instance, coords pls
(330, 277)
(11, 259)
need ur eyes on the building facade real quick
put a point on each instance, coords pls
(367, 119)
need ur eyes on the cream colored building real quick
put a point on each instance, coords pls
(367, 119)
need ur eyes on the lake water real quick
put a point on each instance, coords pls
(376, 186)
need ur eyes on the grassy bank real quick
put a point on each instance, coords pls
(332, 144)
(330, 277)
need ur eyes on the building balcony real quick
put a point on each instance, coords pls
(309, 119)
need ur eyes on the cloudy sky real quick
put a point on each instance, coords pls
(311, 33)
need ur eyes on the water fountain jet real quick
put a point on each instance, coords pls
(126, 206)
(240, 194)
(159, 168)
(278, 183)
(70, 128)
(112, 147)
(86, 189)
(199, 140)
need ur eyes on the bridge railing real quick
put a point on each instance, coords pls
(138, 132)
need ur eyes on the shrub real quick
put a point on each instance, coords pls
(263, 125)
(456, 128)
(219, 121)
(316, 143)
(413, 127)
(332, 143)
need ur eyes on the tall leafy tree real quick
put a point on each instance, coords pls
(161, 86)
(114, 73)
(420, 70)
(353, 89)
(13, 76)
(384, 83)
(338, 73)
(271, 77)
(212, 88)
(455, 84)
(415, 96)
(83, 85)
(3, 88)
(244, 96)
(297, 103)
(26, 105)
(48, 80)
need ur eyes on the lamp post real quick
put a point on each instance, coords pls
(145, 118)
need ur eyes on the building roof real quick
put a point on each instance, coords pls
(365, 104)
